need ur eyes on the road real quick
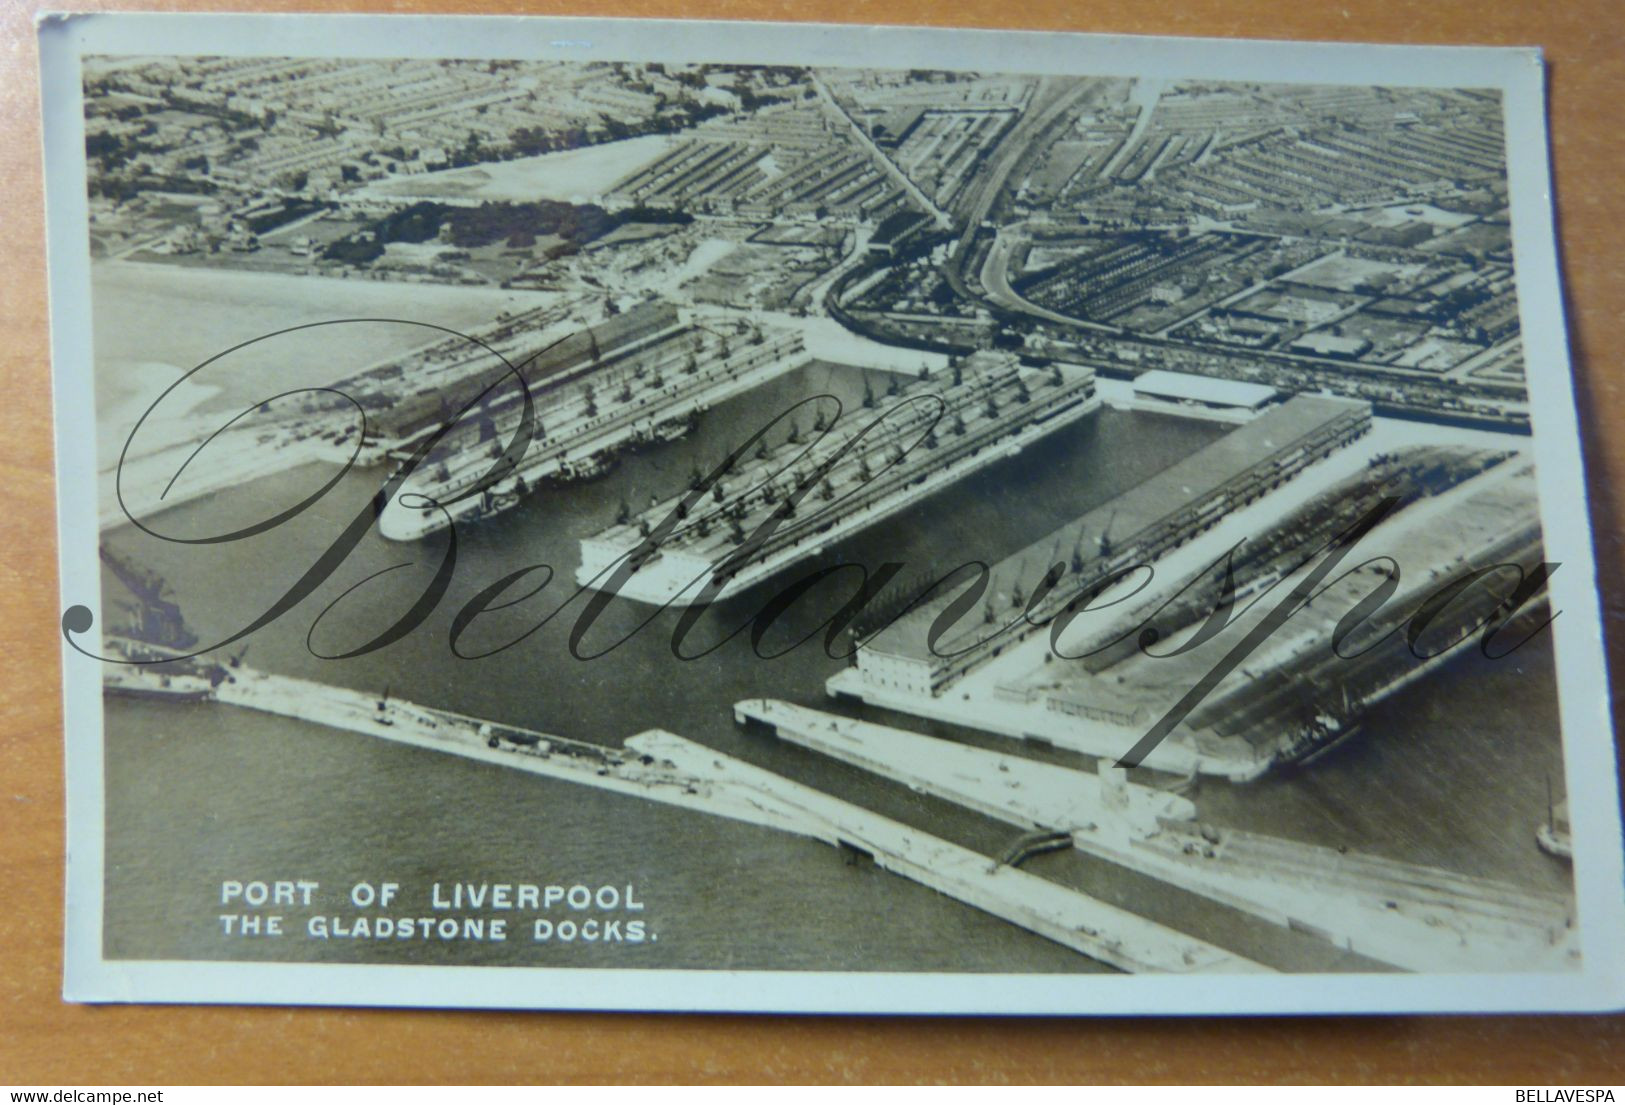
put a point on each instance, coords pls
(995, 278)
(1147, 92)
(898, 176)
(1018, 143)
(812, 295)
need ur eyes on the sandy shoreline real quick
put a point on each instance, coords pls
(570, 176)
(148, 313)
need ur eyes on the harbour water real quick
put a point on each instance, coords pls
(1451, 772)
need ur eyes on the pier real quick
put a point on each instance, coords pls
(1100, 736)
(1408, 915)
(851, 475)
(661, 387)
(1023, 792)
(1100, 931)
(664, 767)
(637, 774)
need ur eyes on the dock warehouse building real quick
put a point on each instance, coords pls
(1138, 526)
(1200, 396)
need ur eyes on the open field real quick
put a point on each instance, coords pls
(225, 308)
(574, 176)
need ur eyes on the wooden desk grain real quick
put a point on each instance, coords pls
(43, 1040)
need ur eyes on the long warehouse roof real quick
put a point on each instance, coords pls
(1203, 389)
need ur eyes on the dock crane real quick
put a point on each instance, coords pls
(1104, 543)
(594, 353)
(156, 617)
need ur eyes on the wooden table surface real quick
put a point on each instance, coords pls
(45, 1041)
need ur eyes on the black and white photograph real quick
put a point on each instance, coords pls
(581, 514)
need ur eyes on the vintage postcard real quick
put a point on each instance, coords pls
(612, 514)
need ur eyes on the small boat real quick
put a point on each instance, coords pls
(1317, 737)
(601, 463)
